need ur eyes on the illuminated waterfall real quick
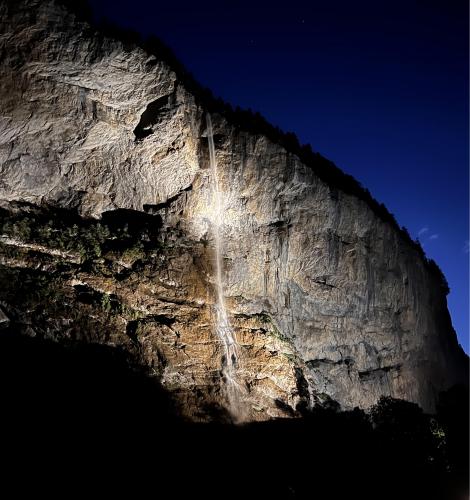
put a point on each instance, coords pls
(223, 328)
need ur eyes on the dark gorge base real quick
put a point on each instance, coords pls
(82, 416)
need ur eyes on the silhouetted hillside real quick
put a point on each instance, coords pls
(88, 415)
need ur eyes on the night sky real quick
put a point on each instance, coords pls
(380, 88)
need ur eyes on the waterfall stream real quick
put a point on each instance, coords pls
(223, 328)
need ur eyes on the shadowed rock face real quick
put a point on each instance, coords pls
(326, 300)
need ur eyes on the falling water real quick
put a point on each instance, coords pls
(223, 328)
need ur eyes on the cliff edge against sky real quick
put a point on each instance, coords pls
(106, 194)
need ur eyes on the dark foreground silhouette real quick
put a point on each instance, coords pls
(78, 420)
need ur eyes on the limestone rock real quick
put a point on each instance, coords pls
(326, 299)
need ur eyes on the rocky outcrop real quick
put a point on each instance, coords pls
(326, 299)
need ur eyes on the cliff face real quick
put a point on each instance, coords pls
(326, 300)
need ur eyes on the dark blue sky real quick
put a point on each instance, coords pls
(378, 87)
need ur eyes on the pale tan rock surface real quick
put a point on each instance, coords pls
(325, 298)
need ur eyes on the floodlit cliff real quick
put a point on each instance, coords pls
(107, 237)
